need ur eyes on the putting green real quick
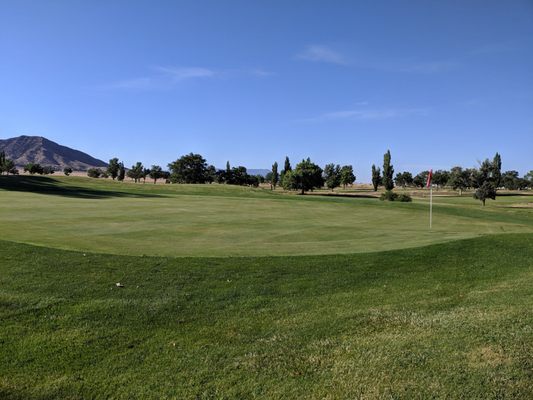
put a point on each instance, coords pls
(217, 220)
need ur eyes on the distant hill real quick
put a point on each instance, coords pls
(36, 149)
(261, 172)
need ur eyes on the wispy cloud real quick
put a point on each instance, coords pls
(473, 102)
(181, 74)
(320, 53)
(325, 54)
(367, 114)
(494, 48)
(425, 67)
(165, 77)
(260, 72)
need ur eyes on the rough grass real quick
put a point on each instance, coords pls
(222, 220)
(451, 320)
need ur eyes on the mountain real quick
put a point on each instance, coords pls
(261, 171)
(36, 149)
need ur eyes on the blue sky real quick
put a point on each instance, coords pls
(440, 83)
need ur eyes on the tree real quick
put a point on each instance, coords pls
(486, 191)
(497, 170)
(529, 178)
(113, 168)
(286, 168)
(421, 179)
(136, 172)
(458, 179)
(239, 176)
(225, 176)
(190, 168)
(287, 165)
(94, 172)
(67, 171)
(332, 176)
(388, 171)
(511, 181)
(403, 179)
(253, 180)
(7, 165)
(376, 177)
(156, 172)
(347, 175)
(146, 172)
(268, 178)
(211, 174)
(48, 170)
(306, 176)
(121, 172)
(485, 172)
(474, 177)
(275, 176)
(440, 178)
(33, 168)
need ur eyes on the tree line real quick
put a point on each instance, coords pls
(485, 180)
(305, 176)
(193, 169)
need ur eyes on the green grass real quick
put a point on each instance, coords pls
(450, 320)
(389, 310)
(222, 220)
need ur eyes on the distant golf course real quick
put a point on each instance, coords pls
(224, 220)
(235, 293)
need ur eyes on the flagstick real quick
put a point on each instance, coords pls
(430, 205)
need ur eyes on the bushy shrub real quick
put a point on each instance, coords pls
(389, 195)
(404, 198)
(94, 172)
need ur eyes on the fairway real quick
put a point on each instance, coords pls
(223, 220)
(446, 321)
(234, 293)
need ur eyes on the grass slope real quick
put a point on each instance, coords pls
(451, 320)
(222, 220)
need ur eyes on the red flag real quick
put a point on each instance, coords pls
(430, 175)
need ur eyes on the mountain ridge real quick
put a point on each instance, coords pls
(26, 149)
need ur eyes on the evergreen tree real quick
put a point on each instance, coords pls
(2, 162)
(112, 168)
(7, 165)
(121, 172)
(497, 170)
(275, 176)
(376, 177)
(287, 166)
(388, 171)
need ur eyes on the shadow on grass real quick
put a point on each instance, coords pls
(517, 193)
(353, 195)
(50, 186)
